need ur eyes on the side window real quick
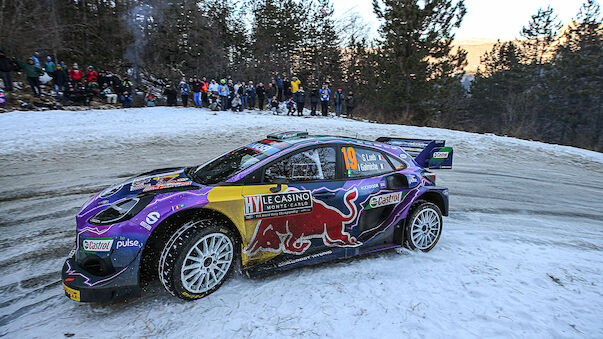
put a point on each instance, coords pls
(313, 164)
(361, 162)
(398, 165)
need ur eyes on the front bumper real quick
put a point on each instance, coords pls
(80, 285)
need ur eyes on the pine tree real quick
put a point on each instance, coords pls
(540, 35)
(415, 57)
(577, 81)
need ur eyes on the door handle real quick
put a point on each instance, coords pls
(324, 195)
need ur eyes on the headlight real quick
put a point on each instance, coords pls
(121, 211)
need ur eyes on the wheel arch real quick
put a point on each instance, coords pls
(162, 232)
(437, 198)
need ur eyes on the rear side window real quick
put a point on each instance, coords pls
(398, 165)
(362, 162)
(313, 164)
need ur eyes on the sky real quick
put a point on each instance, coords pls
(485, 19)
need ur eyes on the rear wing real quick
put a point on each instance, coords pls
(431, 154)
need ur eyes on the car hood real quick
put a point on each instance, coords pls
(154, 182)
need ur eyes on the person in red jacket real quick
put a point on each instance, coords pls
(76, 74)
(91, 74)
(204, 91)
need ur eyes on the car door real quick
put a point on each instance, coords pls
(380, 188)
(302, 215)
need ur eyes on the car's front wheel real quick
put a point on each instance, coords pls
(197, 259)
(423, 226)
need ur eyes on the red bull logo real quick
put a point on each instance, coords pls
(293, 233)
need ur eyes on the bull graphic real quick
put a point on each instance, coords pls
(292, 233)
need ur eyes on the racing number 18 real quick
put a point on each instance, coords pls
(349, 155)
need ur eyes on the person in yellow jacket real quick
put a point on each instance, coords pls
(295, 82)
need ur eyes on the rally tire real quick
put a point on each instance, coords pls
(423, 226)
(179, 250)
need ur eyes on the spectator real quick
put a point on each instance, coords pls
(313, 101)
(223, 92)
(108, 93)
(236, 103)
(150, 100)
(127, 86)
(261, 94)
(6, 71)
(36, 59)
(170, 95)
(50, 67)
(339, 98)
(287, 88)
(231, 92)
(291, 106)
(70, 96)
(274, 105)
(204, 90)
(350, 102)
(325, 95)
(196, 87)
(83, 94)
(251, 94)
(93, 89)
(237, 86)
(75, 74)
(102, 78)
(184, 91)
(279, 85)
(91, 74)
(60, 80)
(242, 91)
(300, 100)
(271, 92)
(295, 82)
(213, 87)
(126, 99)
(32, 72)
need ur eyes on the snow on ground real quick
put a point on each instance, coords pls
(520, 255)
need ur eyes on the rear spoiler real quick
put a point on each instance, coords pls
(431, 154)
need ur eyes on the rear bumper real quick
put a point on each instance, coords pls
(83, 286)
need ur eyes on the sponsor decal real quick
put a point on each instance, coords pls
(263, 148)
(412, 179)
(403, 156)
(371, 167)
(159, 182)
(293, 261)
(277, 204)
(177, 207)
(71, 293)
(292, 234)
(127, 243)
(440, 155)
(151, 218)
(97, 244)
(167, 185)
(368, 187)
(385, 199)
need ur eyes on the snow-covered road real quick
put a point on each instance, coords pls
(521, 254)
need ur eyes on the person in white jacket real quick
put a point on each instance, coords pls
(213, 86)
(108, 93)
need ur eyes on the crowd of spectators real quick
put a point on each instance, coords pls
(74, 85)
(239, 95)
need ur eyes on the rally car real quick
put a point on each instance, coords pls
(289, 200)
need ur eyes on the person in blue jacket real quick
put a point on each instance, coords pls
(184, 91)
(126, 100)
(223, 92)
(324, 94)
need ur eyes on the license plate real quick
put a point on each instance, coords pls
(71, 293)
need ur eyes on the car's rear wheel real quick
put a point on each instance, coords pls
(197, 259)
(423, 226)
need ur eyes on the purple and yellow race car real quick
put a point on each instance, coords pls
(289, 200)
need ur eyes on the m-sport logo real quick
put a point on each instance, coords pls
(98, 244)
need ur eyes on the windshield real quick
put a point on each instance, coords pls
(226, 166)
